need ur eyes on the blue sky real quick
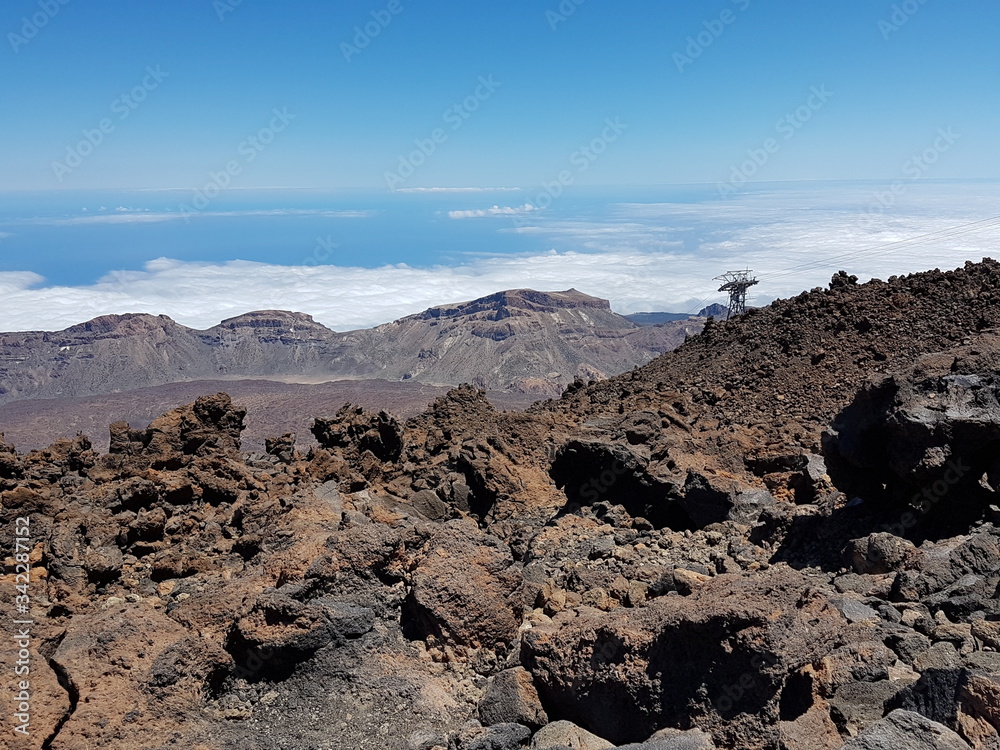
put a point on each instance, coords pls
(229, 65)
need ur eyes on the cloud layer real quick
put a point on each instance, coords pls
(479, 213)
(643, 257)
(125, 215)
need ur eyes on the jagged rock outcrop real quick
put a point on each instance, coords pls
(352, 428)
(906, 729)
(719, 658)
(924, 441)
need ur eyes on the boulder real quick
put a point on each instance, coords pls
(283, 448)
(129, 671)
(708, 499)
(280, 622)
(563, 733)
(725, 654)
(979, 709)
(465, 590)
(497, 737)
(858, 705)
(675, 739)
(921, 442)
(880, 553)
(988, 632)
(103, 564)
(905, 729)
(512, 698)
(429, 505)
(749, 505)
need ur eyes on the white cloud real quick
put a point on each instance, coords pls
(642, 257)
(126, 215)
(494, 211)
(18, 281)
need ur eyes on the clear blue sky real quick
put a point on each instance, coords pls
(353, 119)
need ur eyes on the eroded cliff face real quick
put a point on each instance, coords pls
(675, 557)
(519, 340)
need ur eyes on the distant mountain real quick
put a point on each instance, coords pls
(518, 340)
(714, 311)
(658, 318)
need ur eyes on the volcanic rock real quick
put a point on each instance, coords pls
(563, 733)
(627, 673)
(408, 581)
(512, 698)
(927, 436)
(909, 730)
(465, 590)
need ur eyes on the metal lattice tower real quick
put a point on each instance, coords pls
(736, 283)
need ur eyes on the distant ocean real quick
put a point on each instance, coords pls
(74, 238)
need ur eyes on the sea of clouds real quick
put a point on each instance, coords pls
(640, 256)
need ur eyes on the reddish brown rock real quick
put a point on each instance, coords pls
(131, 675)
(465, 590)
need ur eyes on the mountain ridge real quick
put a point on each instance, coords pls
(518, 340)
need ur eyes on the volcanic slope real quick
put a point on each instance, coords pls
(779, 374)
(742, 405)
